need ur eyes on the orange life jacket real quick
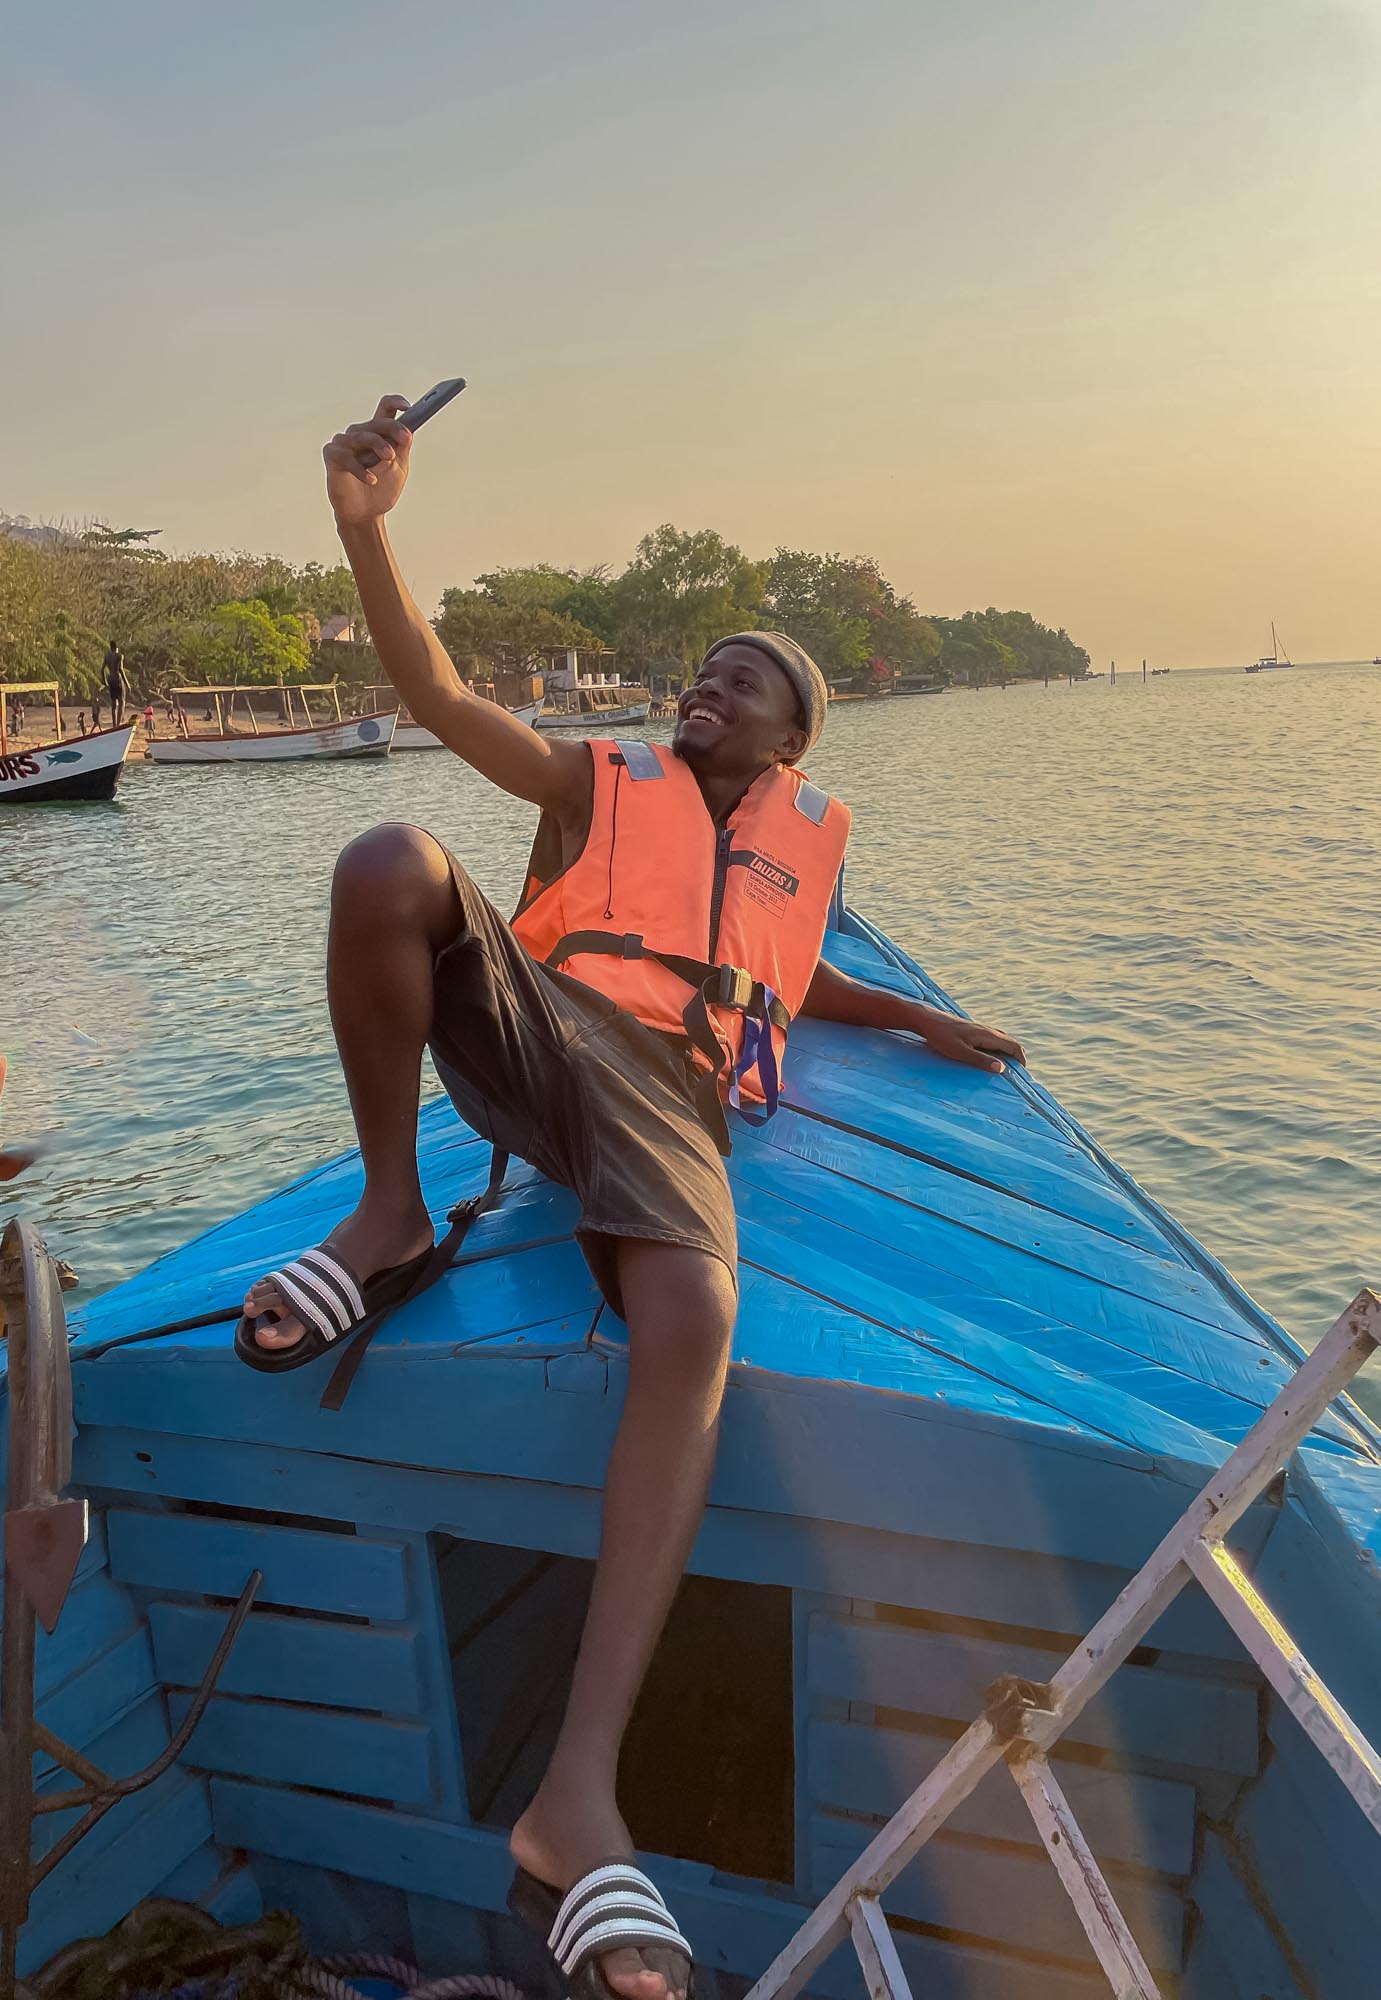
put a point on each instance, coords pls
(708, 932)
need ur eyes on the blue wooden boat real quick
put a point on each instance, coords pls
(979, 1373)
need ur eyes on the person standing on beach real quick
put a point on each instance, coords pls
(114, 668)
(617, 1080)
(96, 709)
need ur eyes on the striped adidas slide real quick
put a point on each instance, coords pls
(332, 1304)
(612, 1908)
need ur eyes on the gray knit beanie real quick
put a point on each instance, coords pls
(799, 668)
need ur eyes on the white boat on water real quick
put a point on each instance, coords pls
(72, 767)
(236, 737)
(410, 735)
(1270, 662)
(594, 707)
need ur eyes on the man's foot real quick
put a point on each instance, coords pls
(368, 1240)
(558, 1839)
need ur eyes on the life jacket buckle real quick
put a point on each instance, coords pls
(632, 945)
(732, 987)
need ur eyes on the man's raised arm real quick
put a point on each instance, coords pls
(553, 775)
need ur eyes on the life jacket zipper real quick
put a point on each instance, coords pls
(721, 873)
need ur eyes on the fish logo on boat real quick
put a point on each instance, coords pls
(63, 757)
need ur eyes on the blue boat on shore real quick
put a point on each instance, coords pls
(978, 1376)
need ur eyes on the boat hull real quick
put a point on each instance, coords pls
(412, 736)
(636, 711)
(86, 767)
(978, 1374)
(358, 736)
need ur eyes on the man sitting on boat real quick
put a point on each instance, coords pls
(670, 928)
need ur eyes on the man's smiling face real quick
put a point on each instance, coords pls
(739, 713)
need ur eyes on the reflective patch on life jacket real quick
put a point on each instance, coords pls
(811, 801)
(640, 760)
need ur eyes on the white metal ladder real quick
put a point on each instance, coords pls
(1022, 1720)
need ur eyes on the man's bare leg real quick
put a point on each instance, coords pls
(680, 1306)
(393, 907)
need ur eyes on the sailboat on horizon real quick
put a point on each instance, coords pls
(1277, 657)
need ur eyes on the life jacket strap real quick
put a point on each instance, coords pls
(730, 986)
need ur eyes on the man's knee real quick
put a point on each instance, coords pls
(393, 871)
(682, 1302)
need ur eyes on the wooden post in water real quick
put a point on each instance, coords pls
(1143, 670)
(1112, 682)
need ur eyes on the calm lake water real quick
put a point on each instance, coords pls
(1169, 890)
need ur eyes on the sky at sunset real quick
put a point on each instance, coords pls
(1071, 305)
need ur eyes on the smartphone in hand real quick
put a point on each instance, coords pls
(425, 408)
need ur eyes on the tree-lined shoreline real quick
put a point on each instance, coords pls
(203, 618)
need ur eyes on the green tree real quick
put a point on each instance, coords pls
(484, 636)
(589, 596)
(327, 593)
(683, 590)
(245, 643)
(846, 614)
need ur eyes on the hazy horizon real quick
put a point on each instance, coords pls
(1070, 309)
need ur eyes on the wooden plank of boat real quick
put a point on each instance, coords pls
(82, 767)
(358, 736)
(410, 735)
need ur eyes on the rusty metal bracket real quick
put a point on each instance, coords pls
(1010, 1700)
(44, 1538)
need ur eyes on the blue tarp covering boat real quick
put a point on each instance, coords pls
(978, 1374)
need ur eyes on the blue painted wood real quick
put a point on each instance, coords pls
(1003, 1895)
(235, 1899)
(1207, 1974)
(97, 1613)
(1125, 1817)
(732, 1928)
(89, 1701)
(292, 1659)
(828, 1450)
(212, 1557)
(424, 1595)
(218, 1883)
(372, 1756)
(1345, 1851)
(1320, 1576)
(960, 1578)
(1240, 1927)
(865, 1259)
(1145, 1711)
(97, 1886)
(132, 1740)
(1335, 1934)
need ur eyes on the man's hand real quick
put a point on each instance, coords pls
(968, 1041)
(833, 996)
(360, 493)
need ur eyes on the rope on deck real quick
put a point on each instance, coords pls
(172, 1951)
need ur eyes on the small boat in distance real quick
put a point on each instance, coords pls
(1277, 657)
(410, 734)
(73, 767)
(594, 707)
(240, 740)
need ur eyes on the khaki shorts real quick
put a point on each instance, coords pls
(548, 1069)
